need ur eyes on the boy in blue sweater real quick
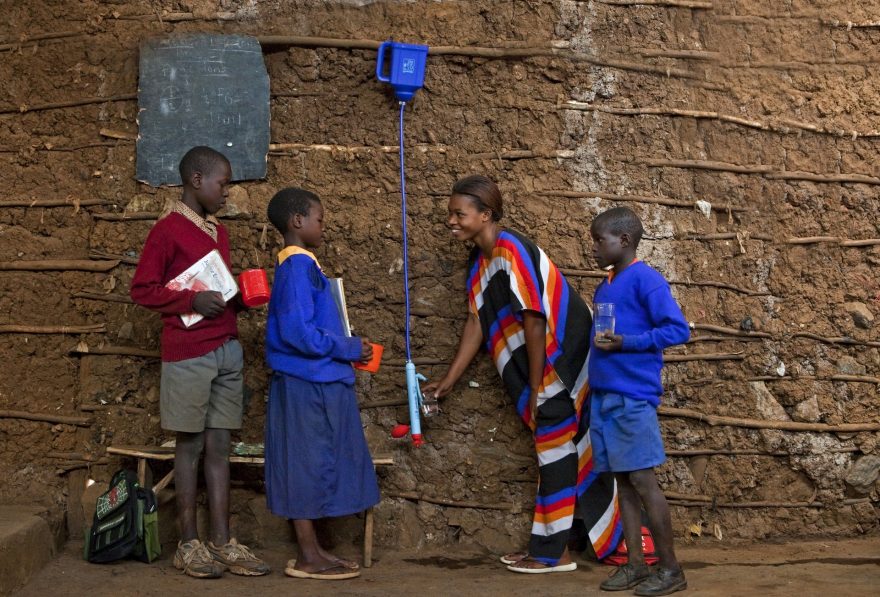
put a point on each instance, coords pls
(624, 374)
(317, 461)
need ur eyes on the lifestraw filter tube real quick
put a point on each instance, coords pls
(414, 396)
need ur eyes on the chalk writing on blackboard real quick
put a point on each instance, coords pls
(202, 89)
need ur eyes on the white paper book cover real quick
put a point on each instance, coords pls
(208, 273)
(338, 290)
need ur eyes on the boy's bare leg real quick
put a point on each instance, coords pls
(217, 480)
(630, 504)
(187, 450)
(645, 483)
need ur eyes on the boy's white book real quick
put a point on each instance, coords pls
(208, 273)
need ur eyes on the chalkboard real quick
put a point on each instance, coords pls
(202, 89)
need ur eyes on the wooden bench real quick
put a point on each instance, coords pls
(144, 454)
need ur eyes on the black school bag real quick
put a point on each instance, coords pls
(126, 522)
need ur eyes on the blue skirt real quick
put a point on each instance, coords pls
(317, 461)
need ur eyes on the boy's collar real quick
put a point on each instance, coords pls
(208, 224)
(611, 274)
(291, 250)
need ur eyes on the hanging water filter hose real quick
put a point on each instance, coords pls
(406, 76)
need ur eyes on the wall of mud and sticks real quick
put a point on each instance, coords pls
(744, 133)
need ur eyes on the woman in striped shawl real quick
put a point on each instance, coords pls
(536, 328)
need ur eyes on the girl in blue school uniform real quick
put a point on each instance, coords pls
(317, 461)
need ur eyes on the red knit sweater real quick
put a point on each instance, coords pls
(174, 244)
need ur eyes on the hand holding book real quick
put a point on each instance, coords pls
(209, 303)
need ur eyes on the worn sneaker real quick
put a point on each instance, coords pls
(195, 560)
(626, 577)
(663, 582)
(238, 558)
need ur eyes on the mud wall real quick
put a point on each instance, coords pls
(744, 136)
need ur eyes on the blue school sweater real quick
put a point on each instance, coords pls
(649, 320)
(304, 334)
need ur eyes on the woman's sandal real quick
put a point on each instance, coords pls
(513, 558)
(543, 569)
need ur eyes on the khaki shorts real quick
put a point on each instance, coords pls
(204, 392)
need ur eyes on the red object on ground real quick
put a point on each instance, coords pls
(620, 556)
(254, 285)
(399, 431)
(373, 365)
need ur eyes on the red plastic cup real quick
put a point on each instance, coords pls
(254, 287)
(373, 365)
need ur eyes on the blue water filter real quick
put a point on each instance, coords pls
(407, 73)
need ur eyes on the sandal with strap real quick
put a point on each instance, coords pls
(542, 569)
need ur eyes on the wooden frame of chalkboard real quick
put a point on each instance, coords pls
(202, 89)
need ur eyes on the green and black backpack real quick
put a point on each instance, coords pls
(126, 523)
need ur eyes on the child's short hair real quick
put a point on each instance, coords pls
(618, 220)
(289, 202)
(485, 194)
(199, 159)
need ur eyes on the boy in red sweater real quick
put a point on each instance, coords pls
(201, 390)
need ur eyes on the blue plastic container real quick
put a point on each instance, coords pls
(407, 68)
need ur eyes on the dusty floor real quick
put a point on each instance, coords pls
(847, 567)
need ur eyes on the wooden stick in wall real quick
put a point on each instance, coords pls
(98, 328)
(705, 165)
(407, 495)
(28, 40)
(127, 216)
(178, 17)
(121, 135)
(692, 453)
(112, 298)
(850, 24)
(41, 265)
(730, 331)
(720, 356)
(65, 148)
(717, 420)
(744, 236)
(127, 351)
(695, 339)
(423, 147)
(70, 103)
(843, 242)
(74, 203)
(45, 417)
(493, 52)
(581, 273)
(132, 410)
(807, 240)
(697, 4)
(767, 504)
(836, 340)
(635, 199)
(784, 126)
(811, 176)
(723, 285)
(839, 377)
(682, 54)
(96, 254)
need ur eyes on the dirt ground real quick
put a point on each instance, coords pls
(849, 567)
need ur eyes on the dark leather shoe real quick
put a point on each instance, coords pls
(662, 582)
(625, 577)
